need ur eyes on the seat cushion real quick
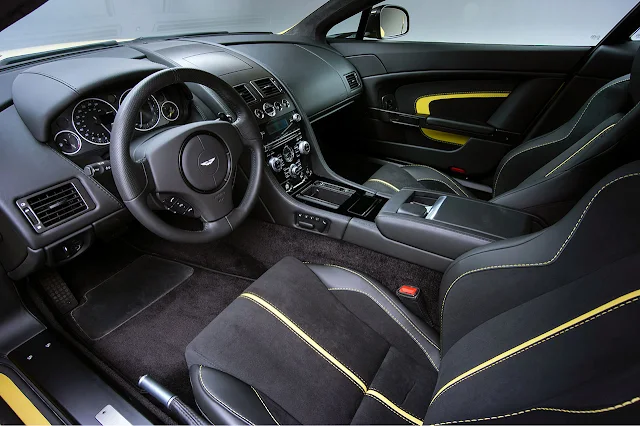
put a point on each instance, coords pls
(316, 344)
(391, 178)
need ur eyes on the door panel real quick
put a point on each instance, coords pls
(476, 102)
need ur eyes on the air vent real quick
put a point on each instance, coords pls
(246, 94)
(267, 87)
(352, 80)
(53, 206)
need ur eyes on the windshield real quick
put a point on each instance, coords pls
(59, 24)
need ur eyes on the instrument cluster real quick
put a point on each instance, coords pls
(86, 125)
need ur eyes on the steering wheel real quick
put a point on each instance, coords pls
(190, 167)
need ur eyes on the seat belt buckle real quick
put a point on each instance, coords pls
(412, 299)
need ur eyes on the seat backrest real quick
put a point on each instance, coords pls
(619, 96)
(544, 328)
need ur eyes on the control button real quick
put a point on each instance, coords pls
(276, 164)
(296, 117)
(288, 154)
(277, 105)
(259, 113)
(287, 187)
(178, 206)
(310, 222)
(269, 109)
(285, 103)
(295, 170)
(304, 147)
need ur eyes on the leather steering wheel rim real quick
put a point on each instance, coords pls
(152, 170)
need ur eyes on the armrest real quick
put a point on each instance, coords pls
(450, 225)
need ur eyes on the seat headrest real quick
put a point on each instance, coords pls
(634, 84)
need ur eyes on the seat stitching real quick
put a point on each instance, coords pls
(443, 182)
(391, 409)
(307, 343)
(398, 309)
(395, 319)
(385, 296)
(264, 405)
(561, 139)
(380, 392)
(225, 406)
(439, 172)
(384, 183)
(580, 149)
(524, 265)
(561, 410)
(538, 343)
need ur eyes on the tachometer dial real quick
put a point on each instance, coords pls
(149, 114)
(68, 142)
(92, 118)
(170, 111)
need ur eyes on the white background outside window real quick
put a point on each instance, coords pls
(519, 22)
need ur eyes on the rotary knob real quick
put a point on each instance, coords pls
(295, 170)
(304, 147)
(276, 164)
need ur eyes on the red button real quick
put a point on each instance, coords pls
(408, 290)
(458, 170)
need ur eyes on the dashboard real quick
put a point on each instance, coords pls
(85, 125)
(58, 194)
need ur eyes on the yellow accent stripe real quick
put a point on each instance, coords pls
(384, 183)
(423, 107)
(600, 310)
(393, 407)
(447, 137)
(581, 148)
(304, 336)
(326, 355)
(19, 403)
(561, 410)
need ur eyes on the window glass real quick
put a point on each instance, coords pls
(60, 24)
(518, 22)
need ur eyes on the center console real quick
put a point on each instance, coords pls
(448, 225)
(288, 157)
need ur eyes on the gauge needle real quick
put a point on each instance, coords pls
(106, 128)
(141, 123)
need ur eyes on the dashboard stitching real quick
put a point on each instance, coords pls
(52, 78)
(91, 179)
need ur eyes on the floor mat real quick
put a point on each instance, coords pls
(127, 293)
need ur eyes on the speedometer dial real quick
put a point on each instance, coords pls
(148, 116)
(92, 118)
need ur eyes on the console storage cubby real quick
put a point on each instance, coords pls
(448, 225)
(341, 199)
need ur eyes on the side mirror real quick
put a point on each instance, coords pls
(387, 22)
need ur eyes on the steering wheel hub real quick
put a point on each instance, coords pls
(205, 163)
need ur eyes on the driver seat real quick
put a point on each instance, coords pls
(537, 329)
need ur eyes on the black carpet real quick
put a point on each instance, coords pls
(153, 342)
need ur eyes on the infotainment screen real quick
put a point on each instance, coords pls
(277, 126)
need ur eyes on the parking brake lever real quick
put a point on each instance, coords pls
(184, 414)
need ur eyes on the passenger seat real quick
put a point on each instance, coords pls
(547, 175)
